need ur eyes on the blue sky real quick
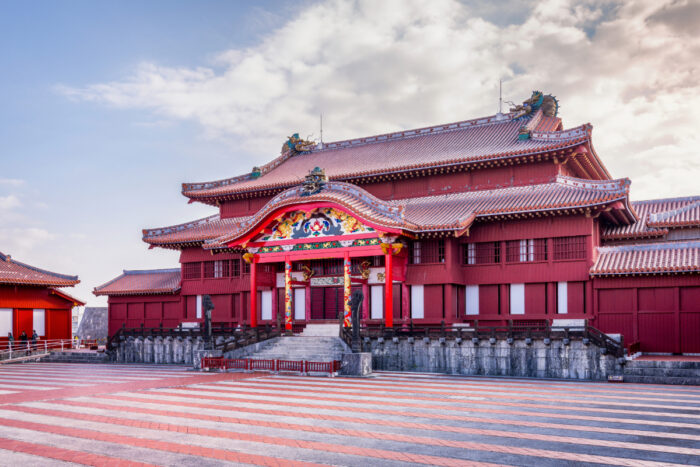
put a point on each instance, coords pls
(107, 107)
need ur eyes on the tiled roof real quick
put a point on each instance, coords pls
(454, 211)
(144, 282)
(656, 216)
(652, 258)
(191, 233)
(14, 272)
(489, 138)
(445, 211)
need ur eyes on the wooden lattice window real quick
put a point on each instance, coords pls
(235, 267)
(427, 251)
(481, 253)
(192, 270)
(569, 248)
(209, 269)
(246, 267)
(523, 251)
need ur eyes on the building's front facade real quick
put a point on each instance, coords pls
(31, 300)
(508, 217)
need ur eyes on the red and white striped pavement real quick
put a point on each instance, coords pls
(53, 413)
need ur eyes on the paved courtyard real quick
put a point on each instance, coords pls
(62, 414)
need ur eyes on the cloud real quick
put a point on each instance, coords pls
(374, 67)
(11, 181)
(20, 241)
(9, 202)
(679, 16)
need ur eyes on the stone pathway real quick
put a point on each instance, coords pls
(63, 414)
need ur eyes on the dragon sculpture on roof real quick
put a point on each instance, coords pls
(538, 100)
(295, 144)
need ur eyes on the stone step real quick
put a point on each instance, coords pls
(679, 372)
(310, 348)
(662, 380)
(663, 364)
(329, 330)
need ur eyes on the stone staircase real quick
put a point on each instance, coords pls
(317, 343)
(662, 372)
(76, 357)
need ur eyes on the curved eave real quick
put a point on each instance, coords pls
(252, 230)
(635, 236)
(594, 159)
(507, 158)
(618, 272)
(123, 293)
(30, 282)
(75, 301)
(175, 245)
(674, 225)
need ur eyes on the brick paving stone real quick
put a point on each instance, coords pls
(115, 414)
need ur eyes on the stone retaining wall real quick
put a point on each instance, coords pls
(166, 350)
(539, 358)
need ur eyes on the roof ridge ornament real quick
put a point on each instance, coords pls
(295, 145)
(538, 100)
(314, 182)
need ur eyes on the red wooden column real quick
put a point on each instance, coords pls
(254, 293)
(388, 288)
(347, 290)
(287, 295)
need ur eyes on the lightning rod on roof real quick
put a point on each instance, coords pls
(321, 144)
(500, 96)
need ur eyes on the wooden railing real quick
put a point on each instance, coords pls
(251, 364)
(539, 329)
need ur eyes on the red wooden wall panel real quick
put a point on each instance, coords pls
(396, 297)
(690, 299)
(575, 297)
(172, 310)
(535, 298)
(222, 308)
(154, 310)
(656, 299)
(488, 300)
(134, 315)
(690, 332)
(60, 323)
(433, 296)
(616, 300)
(657, 332)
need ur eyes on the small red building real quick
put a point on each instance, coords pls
(30, 300)
(507, 217)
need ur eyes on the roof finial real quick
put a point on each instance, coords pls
(500, 96)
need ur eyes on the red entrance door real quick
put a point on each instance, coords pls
(325, 302)
(25, 321)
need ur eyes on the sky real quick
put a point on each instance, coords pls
(107, 107)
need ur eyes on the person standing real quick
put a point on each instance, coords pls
(35, 338)
(23, 341)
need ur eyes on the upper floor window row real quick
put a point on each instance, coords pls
(525, 251)
(214, 269)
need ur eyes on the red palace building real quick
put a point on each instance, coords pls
(507, 217)
(30, 300)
